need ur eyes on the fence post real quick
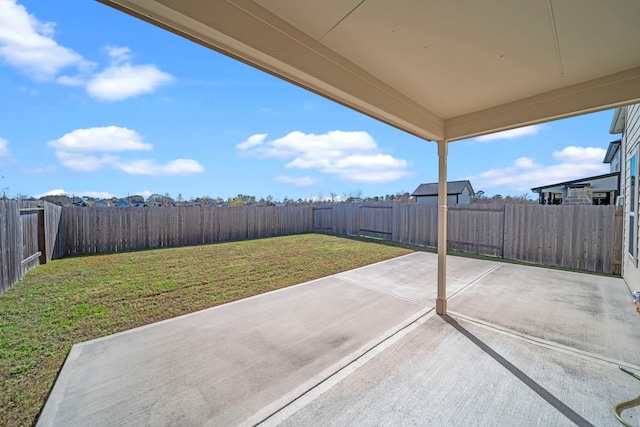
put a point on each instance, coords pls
(618, 225)
(504, 227)
(42, 237)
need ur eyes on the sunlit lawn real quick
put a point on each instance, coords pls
(76, 299)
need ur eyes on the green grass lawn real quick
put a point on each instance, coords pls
(76, 299)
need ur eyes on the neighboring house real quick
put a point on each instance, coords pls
(612, 156)
(596, 190)
(626, 121)
(121, 204)
(101, 204)
(458, 193)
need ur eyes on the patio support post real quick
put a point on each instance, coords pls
(441, 302)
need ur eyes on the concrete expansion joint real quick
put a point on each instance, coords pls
(477, 279)
(561, 348)
(395, 295)
(300, 400)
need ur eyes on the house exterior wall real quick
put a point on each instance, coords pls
(629, 147)
(465, 197)
(614, 166)
(452, 199)
(427, 200)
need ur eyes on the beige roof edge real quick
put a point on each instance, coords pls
(612, 91)
(292, 56)
(618, 121)
(251, 34)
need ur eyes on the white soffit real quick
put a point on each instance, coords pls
(438, 69)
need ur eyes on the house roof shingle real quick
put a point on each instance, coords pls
(453, 187)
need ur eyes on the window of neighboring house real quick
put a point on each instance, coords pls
(633, 185)
(615, 163)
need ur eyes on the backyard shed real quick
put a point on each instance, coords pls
(458, 193)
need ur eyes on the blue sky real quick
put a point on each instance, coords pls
(95, 102)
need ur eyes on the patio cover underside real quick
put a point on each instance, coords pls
(441, 70)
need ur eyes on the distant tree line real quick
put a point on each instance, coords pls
(165, 199)
(499, 199)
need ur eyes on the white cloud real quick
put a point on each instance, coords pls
(305, 181)
(352, 156)
(119, 54)
(525, 173)
(94, 148)
(28, 44)
(56, 192)
(149, 167)
(143, 193)
(61, 192)
(579, 155)
(511, 134)
(5, 152)
(84, 162)
(72, 80)
(122, 81)
(524, 163)
(106, 139)
(94, 194)
(4, 148)
(253, 141)
(82, 149)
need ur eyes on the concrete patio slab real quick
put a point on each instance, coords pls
(453, 372)
(414, 276)
(523, 346)
(588, 312)
(227, 365)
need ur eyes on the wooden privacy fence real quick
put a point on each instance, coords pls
(29, 236)
(106, 230)
(578, 237)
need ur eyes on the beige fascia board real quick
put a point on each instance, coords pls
(618, 121)
(612, 91)
(251, 34)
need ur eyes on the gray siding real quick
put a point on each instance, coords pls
(465, 197)
(452, 199)
(427, 200)
(629, 146)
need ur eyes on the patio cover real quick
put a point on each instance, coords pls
(442, 70)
